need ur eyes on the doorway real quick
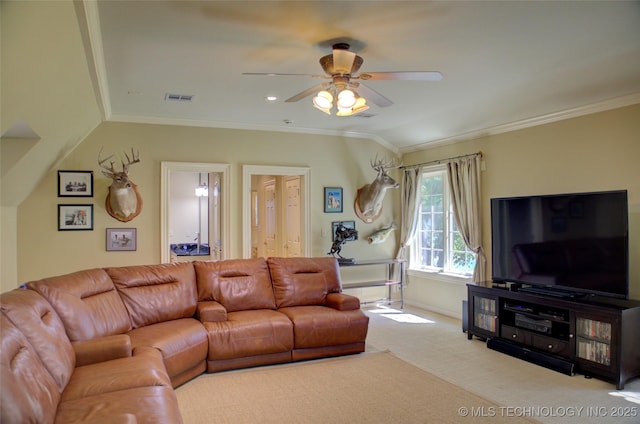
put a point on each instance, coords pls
(276, 216)
(194, 211)
(276, 213)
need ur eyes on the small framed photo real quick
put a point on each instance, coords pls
(346, 228)
(121, 239)
(75, 217)
(75, 183)
(332, 199)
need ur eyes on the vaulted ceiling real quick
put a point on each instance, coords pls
(504, 64)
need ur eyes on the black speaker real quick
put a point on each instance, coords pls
(546, 360)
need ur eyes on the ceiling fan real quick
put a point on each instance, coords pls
(341, 69)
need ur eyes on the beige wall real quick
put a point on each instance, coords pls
(595, 152)
(334, 161)
(47, 102)
(591, 153)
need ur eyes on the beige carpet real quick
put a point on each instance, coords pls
(367, 388)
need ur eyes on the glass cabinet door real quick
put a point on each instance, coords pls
(593, 340)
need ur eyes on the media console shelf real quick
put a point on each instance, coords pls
(389, 281)
(592, 335)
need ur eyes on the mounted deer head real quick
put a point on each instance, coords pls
(369, 199)
(123, 200)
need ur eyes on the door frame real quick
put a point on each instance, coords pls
(250, 170)
(225, 203)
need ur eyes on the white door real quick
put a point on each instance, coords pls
(253, 177)
(270, 219)
(292, 217)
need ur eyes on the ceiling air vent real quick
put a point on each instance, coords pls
(170, 97)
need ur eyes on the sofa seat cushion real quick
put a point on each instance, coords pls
(29, 392)
(318, 326)
(249, 333)
(237, 284)
(145, 368)
(182, 342)
(149, 405)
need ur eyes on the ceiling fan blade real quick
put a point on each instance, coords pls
(343, 61)
(402, 76)
(271, 74)
(307, 92)
(373, 96)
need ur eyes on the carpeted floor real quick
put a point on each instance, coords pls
(373, 387)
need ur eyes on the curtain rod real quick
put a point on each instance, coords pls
(438, 161)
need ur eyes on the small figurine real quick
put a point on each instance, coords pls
(342, 235)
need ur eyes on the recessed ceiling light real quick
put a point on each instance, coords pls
(271, 98)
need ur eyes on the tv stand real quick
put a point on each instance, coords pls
(591, 335)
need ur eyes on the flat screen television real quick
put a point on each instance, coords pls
(564, 245)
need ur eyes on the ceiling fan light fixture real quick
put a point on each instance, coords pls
(346, 99)
(359, 106)
(323, 100)
(326, 110)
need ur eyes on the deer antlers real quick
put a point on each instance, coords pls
(382, 165)
(110, 171)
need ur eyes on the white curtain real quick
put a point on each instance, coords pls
(464, 184)
(411, 182)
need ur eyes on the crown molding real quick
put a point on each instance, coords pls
(249, 127)
(602, 106)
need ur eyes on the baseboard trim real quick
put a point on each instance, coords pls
(456, 315)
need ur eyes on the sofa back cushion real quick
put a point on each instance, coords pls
(237, 284)
(87, 302)
(41, 325)
(29, 393)
(304, 281)
(156, 293)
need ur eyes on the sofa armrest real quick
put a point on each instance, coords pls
(211, 311)
(102, 349)
(343, 302)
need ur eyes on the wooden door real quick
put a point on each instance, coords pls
(292, 217)
(270, 219)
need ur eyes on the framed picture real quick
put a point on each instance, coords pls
(121, 239)
(349, 225)
(75, 217)
(75, 183)
(332, 199)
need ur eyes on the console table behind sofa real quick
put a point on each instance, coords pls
(390, 281)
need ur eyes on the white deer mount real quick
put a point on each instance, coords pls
(368, 204)
(123, 200)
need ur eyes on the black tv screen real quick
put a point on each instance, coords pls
(575, 242)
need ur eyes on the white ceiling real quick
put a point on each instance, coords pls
(505, 64)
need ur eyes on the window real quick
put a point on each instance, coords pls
(438, 245)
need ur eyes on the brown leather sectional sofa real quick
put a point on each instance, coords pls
(111, 344)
